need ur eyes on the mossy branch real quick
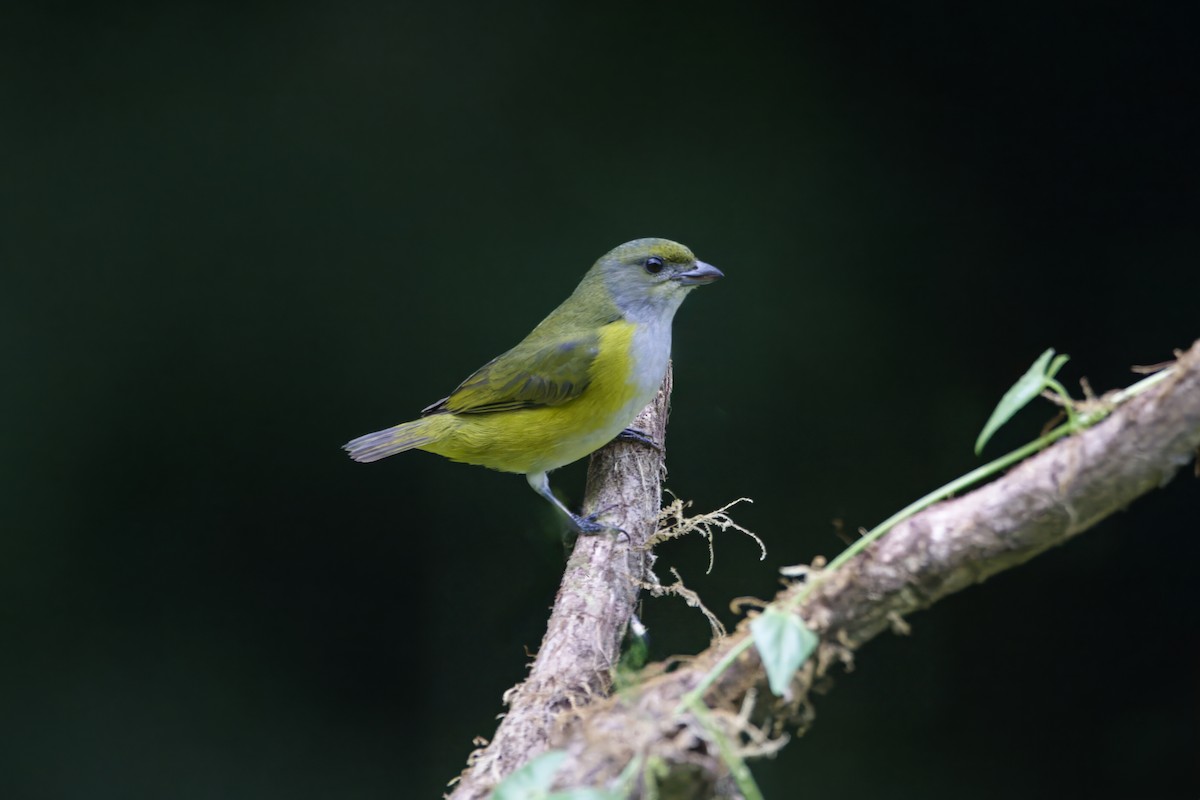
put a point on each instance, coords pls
(596, 599)
(1040, 503)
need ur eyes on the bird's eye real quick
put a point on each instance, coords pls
(654, 265)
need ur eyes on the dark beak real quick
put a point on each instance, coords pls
(700, 274)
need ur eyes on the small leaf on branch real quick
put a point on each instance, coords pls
(1021, 393)
(784, 644)
(584, 793)
(533, 780)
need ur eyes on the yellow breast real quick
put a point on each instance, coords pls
(547, 437)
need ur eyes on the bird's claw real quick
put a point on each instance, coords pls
(638, 437)
(590, 525)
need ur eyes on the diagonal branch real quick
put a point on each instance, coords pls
(1043, 502)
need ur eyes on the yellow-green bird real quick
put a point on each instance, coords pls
(572, 385)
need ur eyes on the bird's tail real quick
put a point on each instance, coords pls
(389, 441)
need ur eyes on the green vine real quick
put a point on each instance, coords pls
(1038, 378)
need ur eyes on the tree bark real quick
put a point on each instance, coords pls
(1043, 502)
(595, 602)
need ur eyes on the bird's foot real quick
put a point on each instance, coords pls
(638, 437)
(590, 525)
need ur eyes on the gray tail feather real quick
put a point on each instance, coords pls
(388, 442)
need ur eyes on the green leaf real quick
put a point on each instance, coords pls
(634, 656)
(585, 793)
(1022, 392)
(784, 644)
(532, 781)
(1057, 364)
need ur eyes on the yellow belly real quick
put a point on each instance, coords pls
(547, 437)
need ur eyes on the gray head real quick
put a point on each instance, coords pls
(648, 278)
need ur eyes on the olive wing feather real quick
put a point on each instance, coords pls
(543, 372)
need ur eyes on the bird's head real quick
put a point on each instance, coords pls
(648, 278)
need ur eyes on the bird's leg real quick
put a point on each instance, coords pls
(634, 435)
(585, 526)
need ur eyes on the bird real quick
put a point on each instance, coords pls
(572, 385)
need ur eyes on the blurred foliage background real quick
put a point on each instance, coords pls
(235, 236)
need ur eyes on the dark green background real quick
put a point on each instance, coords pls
(235, 237)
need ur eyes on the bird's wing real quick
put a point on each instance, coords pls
(542, 372)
